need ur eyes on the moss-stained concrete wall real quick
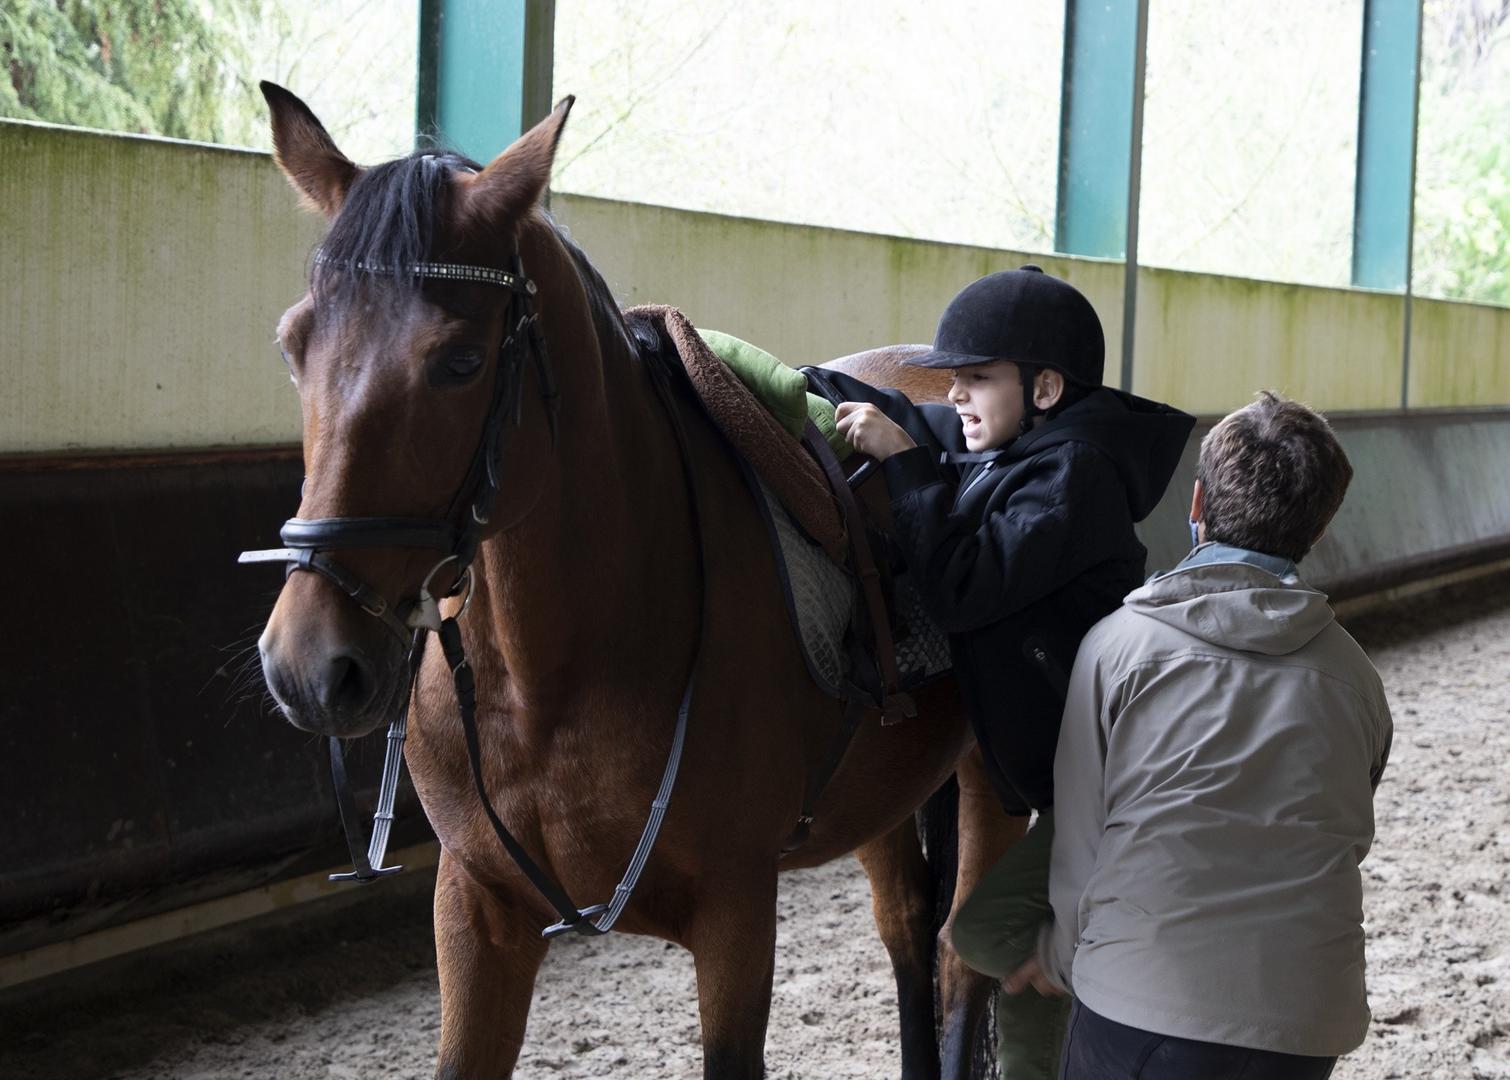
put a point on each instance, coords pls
(1205, 343)
(1459, 354)
(805, 294)
(142, 281)
(1424, 484)
(1208, 343)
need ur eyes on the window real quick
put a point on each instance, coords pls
(937, 121)
(1250, 132)
(189, 70)
(1462, 234)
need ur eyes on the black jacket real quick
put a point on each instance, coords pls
(1018, 552)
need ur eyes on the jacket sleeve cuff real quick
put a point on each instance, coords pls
(910, 470)
(1052, 959)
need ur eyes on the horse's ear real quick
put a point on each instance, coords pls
(306, 153)
(514, 180)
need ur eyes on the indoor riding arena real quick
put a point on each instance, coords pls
(1305, 196)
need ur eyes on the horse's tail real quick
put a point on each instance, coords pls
(938, 828)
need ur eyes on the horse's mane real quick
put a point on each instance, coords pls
(388, 220)
(607, 319)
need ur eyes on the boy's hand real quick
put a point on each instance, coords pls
(1031, 974)
(870, 431)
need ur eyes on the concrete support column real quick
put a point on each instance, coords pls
(484, 71)
(1101, 141)
(1384, 215)
(1382, 203)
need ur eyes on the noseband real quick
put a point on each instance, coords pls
(457, 535)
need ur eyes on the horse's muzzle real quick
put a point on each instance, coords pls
(339, 688)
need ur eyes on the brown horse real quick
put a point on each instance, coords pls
(584, 622)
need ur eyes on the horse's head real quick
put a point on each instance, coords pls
(403, 366)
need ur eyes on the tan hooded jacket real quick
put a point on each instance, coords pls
(1215, 773)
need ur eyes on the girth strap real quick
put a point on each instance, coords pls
(895, 705)
(818, 778)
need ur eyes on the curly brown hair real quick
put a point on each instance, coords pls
(1272, 476)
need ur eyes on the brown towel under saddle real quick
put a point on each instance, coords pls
(777, 458)
(807, 480)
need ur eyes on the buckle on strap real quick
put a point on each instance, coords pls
(582, 924)
(424, 613)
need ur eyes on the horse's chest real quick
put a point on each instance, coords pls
(558, 801)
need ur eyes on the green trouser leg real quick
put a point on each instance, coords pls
(1029, 1034)
(995, 932)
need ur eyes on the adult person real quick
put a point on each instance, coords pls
(1221, 744)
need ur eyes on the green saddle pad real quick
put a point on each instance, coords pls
(782, 390)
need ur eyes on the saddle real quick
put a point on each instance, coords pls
(759, 440)
(866, 637)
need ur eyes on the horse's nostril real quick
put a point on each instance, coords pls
(347, 684)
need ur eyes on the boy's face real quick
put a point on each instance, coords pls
(988, 399)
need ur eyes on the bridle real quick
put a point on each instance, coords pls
(457, 535)
(456, 532)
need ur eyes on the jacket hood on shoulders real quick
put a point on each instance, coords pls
(1144, 438)
(1236, 606)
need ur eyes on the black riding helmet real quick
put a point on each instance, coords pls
(1031, 318)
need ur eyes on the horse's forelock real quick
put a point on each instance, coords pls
(389, 220)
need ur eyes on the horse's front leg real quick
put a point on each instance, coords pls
(488, 953)
(733, 944)
(985, 834)
(902, 900)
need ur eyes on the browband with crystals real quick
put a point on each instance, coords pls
(482, 275)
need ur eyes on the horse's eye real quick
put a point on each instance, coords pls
(463, 364)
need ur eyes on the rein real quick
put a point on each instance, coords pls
(458, 535)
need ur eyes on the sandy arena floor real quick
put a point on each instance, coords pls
(352, 993)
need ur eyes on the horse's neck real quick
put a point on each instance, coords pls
(581, 582)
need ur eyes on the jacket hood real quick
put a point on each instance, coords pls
(1144, 438)
(1236, 606)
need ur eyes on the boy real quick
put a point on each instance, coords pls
(1019, 537)
(1221, 745)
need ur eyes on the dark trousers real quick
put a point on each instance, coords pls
(1096, 1048)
